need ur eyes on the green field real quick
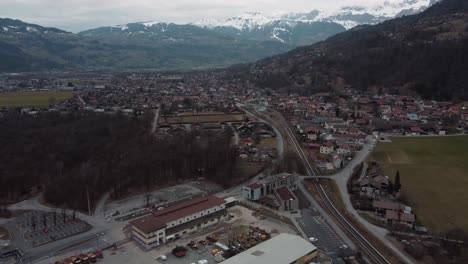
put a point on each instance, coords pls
(32, 99)
(203, 118)
(434, 177)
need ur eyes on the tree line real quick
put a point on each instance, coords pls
(67, 156)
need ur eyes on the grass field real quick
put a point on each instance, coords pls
(434, 177)
(268, 143)
(203, 118)
(31, 99)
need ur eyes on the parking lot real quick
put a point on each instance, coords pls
(192, 256)
(314, 226)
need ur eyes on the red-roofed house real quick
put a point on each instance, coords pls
(399, 217)
(327, 148)
(382, 206)
(312, 133)
(416, 130)
(344, 149)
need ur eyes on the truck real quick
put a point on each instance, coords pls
(91, 257)
(75, 260)
(84, 258)
(221, 246)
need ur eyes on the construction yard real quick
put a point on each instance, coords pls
(244, 229)
(434, 177)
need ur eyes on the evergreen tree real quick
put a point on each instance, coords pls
(397, 181)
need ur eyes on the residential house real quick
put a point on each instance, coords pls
(402, 218)
(344, 149)
(382, 206)
(337, 161)
(330, 124)
(312, 133)
(327, 148)
(373, 187)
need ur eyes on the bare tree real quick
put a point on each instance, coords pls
(148, 197)
(55, 217)
(33, 223)
(44, 220)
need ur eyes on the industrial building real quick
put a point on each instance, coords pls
(283, 248)
(177, 220)
(275, 192)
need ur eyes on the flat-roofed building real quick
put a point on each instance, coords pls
(177, 220)
(274, 191)
(283, 248)
(287, 199)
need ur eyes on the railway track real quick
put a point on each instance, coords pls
(370, 251)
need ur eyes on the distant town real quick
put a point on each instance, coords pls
(302, 184)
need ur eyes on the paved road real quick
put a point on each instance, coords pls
(341, 179)
(420, 136)
(81, 100)
(154, 123)
(101, 204)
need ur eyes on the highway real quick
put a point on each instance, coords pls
(370, 251)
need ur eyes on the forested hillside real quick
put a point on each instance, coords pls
(425, 53)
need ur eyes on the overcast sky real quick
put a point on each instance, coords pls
(77, 15)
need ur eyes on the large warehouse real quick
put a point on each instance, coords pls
(281, 249)
(177, 220)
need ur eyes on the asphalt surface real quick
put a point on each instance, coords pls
(314, 226)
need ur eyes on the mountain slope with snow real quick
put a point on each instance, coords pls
(12, 26)
(423, 53)
(347, 16)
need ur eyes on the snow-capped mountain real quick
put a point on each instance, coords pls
(347, 16)
(150, 27)
(351, 16)
(292, 29)
(11, 26)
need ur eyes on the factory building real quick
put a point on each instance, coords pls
(177, 220)
(283, 248)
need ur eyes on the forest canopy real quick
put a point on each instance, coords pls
(67, 155)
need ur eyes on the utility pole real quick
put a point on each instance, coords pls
(89, 204)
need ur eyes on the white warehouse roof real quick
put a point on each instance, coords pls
(283, 248)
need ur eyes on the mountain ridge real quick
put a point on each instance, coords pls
(424, 53)
(156, 45)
